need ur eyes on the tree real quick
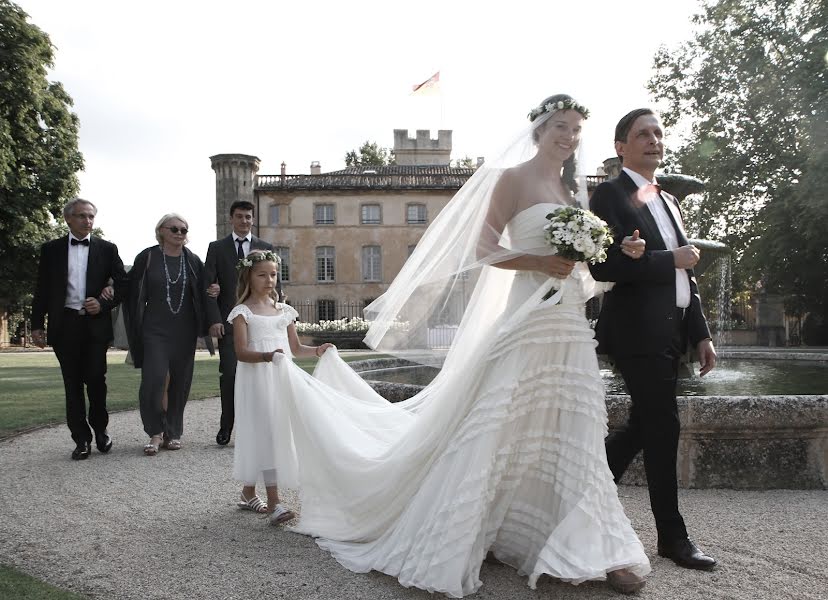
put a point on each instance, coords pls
(39, 156)
(465, 163)
(369, 155)
(750, 89)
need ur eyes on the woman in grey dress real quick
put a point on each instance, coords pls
(165, 316)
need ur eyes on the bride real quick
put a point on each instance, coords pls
(503, 452)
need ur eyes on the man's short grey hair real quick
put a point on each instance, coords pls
(70, 206)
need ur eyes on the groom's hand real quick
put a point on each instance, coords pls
(686, 257)
(707, 356)
(634, 245)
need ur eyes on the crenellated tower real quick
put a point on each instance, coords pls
(422, 150)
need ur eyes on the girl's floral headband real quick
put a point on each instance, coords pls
(258, 256)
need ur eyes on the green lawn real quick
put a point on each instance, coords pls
(32, 388)
(14, 584)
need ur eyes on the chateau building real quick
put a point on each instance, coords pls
(343, 235)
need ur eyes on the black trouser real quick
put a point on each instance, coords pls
(166, 356)
(227, 378)
(82, 361)
(653, 426)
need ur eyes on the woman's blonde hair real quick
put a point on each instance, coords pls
(166, 219)
(245, 267)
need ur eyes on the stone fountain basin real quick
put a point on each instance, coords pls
(737, 442)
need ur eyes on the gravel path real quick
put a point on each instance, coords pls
(125, 526)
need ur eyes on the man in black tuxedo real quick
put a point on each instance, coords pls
(220, 267)
(72, 277)
(647, 319)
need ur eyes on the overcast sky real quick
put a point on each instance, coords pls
(161, 86)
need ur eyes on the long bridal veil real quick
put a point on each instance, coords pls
(445, 300)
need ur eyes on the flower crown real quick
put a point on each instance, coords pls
(550, 107)
(258, 256)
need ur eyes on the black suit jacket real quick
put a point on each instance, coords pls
(220, 266)
(637, 316)
(103, 264)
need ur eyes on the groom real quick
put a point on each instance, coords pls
(220, 267)
(647, 319)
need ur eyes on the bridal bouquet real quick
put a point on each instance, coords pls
(578, 234)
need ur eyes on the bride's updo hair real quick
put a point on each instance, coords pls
(553, 104)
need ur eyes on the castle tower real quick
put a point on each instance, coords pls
(422, 150)
(235, 177)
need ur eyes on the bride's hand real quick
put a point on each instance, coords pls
(555, 266)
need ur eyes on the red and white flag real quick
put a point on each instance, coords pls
(429, 86)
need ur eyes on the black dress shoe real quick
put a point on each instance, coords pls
(103, 441)
(223, 437)
(686, 554)
(82, 451)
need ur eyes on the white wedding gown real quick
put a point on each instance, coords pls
(503, 452)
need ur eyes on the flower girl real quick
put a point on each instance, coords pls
(263, 332)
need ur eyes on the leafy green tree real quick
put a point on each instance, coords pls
(39, 156)
(369, 154)
(465, 163)
(750, 90)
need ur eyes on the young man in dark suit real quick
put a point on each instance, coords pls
(72, 275)
(647, 319)
(220, 267)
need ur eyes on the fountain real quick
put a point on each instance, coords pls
(769, 434)
(759, 421)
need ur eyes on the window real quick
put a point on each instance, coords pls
(411, 249)
(283, 253)
(416, 214)
(371, 263)
(371, 214)
(367, 301)
(274, 214)
(324, 214)
(325, 263)
(325, 310)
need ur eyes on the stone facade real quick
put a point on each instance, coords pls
(288, 219)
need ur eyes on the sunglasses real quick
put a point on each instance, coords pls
(174, 229)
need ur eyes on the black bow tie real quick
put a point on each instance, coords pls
(75, 242)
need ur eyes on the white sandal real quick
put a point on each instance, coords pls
(255, 504)
(281, 514)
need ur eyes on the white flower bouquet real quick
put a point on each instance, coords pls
(578, 234)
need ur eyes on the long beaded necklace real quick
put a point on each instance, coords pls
(182, 272)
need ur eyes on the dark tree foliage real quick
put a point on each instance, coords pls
(39, 156)
(369, 155)
(751, 92)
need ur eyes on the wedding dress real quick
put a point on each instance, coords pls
(503, 452)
